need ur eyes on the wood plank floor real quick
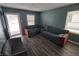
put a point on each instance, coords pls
(40, 46)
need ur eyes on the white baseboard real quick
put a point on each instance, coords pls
(73, 42)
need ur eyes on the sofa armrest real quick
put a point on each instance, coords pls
(64, 35)
(62, 41)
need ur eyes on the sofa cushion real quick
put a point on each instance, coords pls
(52, 37)
(33, 31)
(56, 30)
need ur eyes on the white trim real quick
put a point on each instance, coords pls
(73, 42)
(67, 16)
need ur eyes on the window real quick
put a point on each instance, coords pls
(13, 24)
(30, 19)
(72, 22)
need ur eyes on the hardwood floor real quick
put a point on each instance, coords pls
(40, 46)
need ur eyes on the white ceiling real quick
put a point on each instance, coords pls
(35, 6)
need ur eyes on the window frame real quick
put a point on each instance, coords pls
(67, 19)
(8, 24)
(33, 20)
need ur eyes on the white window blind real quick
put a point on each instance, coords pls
(72, 22)
(31, 19)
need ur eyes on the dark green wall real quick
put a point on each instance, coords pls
(23, 14)
(57, 18)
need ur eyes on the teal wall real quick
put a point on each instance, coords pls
(23, 14)
(0, 9)
(57, 18)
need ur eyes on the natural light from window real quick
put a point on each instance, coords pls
(13, 24)
(72, 22)
(31, 19)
